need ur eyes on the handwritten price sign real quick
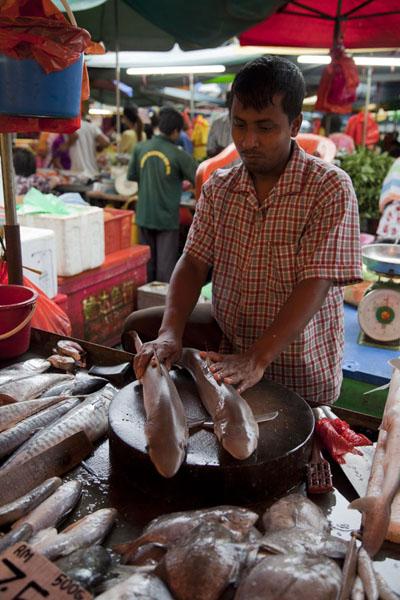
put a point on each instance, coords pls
(28, 575)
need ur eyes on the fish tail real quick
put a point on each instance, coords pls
(376, 519)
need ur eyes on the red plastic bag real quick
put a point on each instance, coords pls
(48, 315)
(36, 29)
(355, 127)
(339, 81)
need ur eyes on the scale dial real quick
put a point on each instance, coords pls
(379, 314)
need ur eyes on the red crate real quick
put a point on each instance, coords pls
(99, 300)
(117, 229)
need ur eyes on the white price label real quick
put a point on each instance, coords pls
(28, 575)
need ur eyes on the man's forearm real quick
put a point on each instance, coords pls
(183, 292)
(295, 314)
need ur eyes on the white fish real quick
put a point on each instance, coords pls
(18, 508)
(12, 438)
(89, 530)
(90, 416)
(29, 387)
(10, 414)
(138, 586)
(54, 509)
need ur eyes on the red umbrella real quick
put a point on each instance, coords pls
(316, 24)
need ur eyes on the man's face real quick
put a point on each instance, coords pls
(263, 138)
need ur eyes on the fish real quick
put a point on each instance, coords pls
(81, 384)
(349, 569)
(90, 416)
(18, 508)
(24, 368)
(72, 349)
(54, 509)
(139, 586)
(307, 541)
(385, 591)
(86, 566)
(166, 428)
(234, 422)
(166, 530)
(366, 572)
(89, 530)
(377, 509)
(291, 577)
(295, 510)
(204, 563)
(29, 387)
(21, 534)
(39, 536)
(65, 363)
(11, 414)
(12, 438)
(358, 592)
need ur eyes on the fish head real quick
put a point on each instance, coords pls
(166, 450)
(240, 439)
(237, 519)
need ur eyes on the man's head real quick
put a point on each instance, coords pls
(24, 162)
(265, 109)
(260, 80)
(170, 122)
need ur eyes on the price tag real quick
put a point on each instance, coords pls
(28, 575)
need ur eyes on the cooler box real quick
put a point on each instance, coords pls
(155, 293)
(79, 238)
(99, 300)
(38, 249)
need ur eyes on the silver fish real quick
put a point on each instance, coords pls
(291, 577)
(89, 530)
(90, 416)
(234, 422)
(358, 592)
(139, 586)
(32, 365)
(10, 439)
(15, 510)
(168, 529)
(86, 566)
(39, 536)
(29, 387)
(54, 509)
(166, 428)
(366, 571)
(295, 510)
(11, 414)
(20, 534)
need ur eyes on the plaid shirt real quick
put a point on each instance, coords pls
(307, 227)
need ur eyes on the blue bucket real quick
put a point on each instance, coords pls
(27, 91)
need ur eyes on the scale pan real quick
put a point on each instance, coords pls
(382, 258)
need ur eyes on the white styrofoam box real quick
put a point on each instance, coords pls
(79, 238)
(38, 249)
(154, 294)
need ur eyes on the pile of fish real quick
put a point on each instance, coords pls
(166, 428)
(219, 554)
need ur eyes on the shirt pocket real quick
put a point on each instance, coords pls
(283, 267)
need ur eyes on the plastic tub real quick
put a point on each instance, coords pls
(17, 305)
(27, 91)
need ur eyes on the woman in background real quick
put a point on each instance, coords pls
(135, 132)
(25, 173)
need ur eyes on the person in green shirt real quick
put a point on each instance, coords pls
(160, 166)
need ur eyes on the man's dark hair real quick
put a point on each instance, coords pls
(261, 79)
(24, 162)
(170, 119)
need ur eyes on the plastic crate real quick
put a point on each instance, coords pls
(117, 229)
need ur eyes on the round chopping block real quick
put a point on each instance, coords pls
(210, 475)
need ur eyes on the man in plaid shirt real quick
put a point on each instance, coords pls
(281, 232)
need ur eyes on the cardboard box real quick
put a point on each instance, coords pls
(99, 300)
(38, 250)
(79, 238)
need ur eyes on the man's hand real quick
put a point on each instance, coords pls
(168, 351)
(243, 370)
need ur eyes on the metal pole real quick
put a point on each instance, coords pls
(117, 74)
(11, 228)
(367, 99)
(191, 80)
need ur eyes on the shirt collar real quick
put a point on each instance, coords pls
(291, 180)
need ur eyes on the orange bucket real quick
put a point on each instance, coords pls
(17, 305)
